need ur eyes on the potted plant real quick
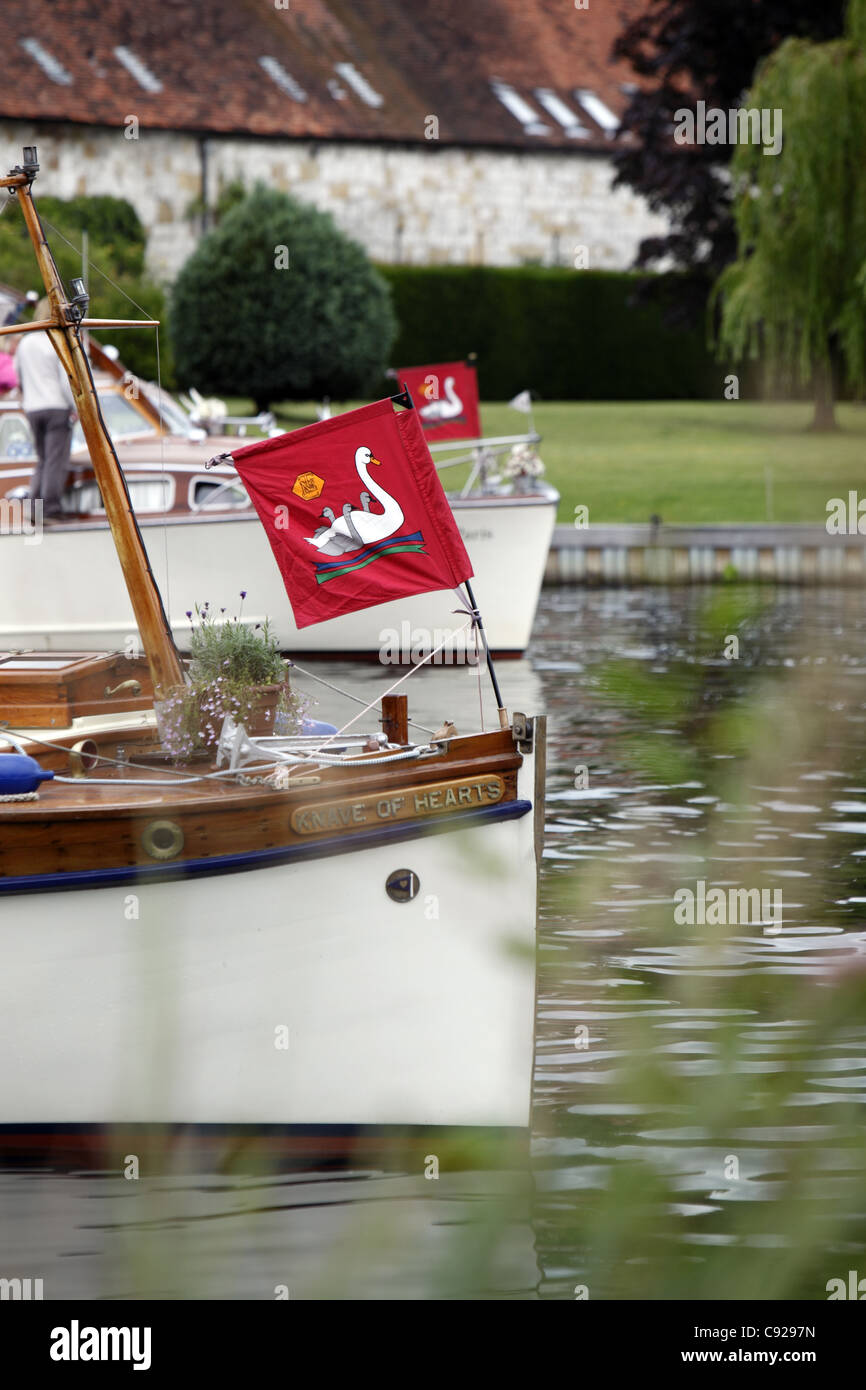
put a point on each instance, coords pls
(523, 467)
(234, 669)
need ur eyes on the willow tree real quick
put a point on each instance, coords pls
(796, 294)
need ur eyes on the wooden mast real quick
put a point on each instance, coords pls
(66, 323)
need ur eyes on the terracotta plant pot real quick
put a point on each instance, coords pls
(265, 699)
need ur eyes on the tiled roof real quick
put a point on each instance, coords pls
(526, 73)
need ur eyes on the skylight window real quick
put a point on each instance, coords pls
(359, 84)
(561, 113)
(50, 65)
(519, 108)
(283, 79)
(597, 111)
(136, 68)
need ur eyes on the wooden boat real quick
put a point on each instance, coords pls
(349, 951)
(200, 529)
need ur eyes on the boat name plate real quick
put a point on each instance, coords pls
(410, 803)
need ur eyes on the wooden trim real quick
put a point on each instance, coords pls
(94, 825)
(89, 683)
(251, 860)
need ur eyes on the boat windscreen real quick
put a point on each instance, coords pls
(122, 418)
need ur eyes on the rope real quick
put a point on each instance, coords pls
(175, 775)
(358, 701)
(80, 252)
(475, 618)
(403, 678)
(287, 760)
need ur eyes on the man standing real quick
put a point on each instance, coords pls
(48, 404)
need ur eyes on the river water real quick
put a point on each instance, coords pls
(698, 1104)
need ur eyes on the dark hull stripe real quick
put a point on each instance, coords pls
(263, 858)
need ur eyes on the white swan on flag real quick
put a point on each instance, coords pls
(449, 408)
(357, 528)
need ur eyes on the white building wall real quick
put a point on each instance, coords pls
(426, 205)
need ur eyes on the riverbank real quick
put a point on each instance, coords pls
(777, 554)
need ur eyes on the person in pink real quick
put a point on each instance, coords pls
(8, 374)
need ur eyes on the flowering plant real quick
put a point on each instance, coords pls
(232, 667)
(523, 462)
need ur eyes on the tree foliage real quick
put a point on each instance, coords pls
(797, 290)
(276, 303)
(116, 246)
(685, 50)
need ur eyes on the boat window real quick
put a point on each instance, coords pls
(217, 494)
(122, 418)
(146, 495)
(16, 441)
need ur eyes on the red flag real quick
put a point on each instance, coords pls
(446, 396)
(354, 511)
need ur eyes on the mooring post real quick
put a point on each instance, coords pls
(395, 718)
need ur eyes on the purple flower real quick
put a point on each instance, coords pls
(243, 593)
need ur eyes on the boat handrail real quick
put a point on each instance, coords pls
(533, 437)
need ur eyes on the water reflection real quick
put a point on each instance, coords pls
(665, 1051)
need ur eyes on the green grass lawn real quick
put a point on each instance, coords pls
(686, 461)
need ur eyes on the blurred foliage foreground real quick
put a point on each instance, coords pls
(722, 1158)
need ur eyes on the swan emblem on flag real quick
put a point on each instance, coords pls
(449, 408)
(360, 536)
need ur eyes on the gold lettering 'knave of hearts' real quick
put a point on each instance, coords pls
(436, 798)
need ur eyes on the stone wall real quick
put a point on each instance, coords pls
(423, 205)
(636, 553)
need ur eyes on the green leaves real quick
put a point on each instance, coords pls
(116, 246)
(276, 303)
(796, 289)
(233, 652)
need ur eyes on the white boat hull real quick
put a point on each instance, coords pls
(296, 994)
(213, 559)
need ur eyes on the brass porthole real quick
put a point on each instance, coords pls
(162, 839)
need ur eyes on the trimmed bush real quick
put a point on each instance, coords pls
(566, 334)
(244, 323)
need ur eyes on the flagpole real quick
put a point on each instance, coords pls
(503, 713)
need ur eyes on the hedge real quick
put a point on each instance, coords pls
(566, 334)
